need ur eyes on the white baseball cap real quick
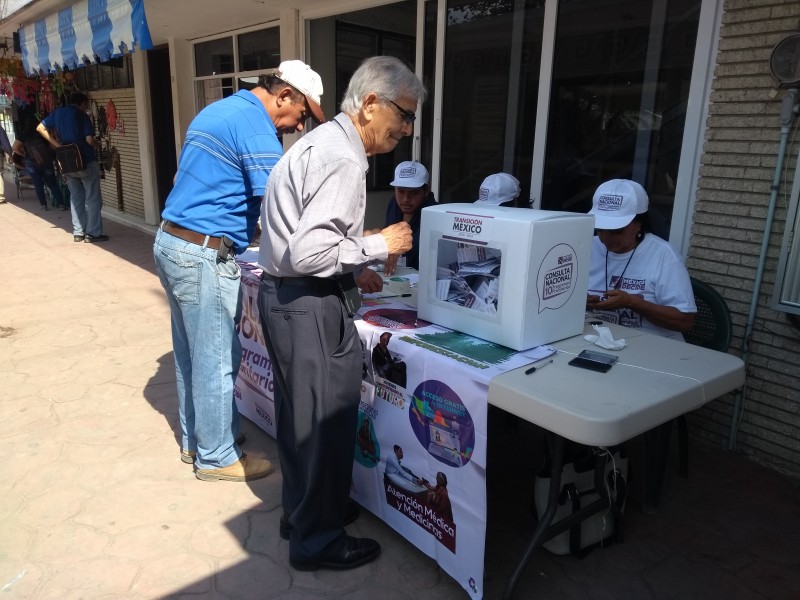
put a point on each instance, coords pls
(410, 174)
(498, 188)
(304, 79)
(617, 202)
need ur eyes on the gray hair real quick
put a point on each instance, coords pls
(388, 77)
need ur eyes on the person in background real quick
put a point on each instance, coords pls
(210, 215)
(500, 189)
(71, 125)
(41, 175)
(5, 143)
(411, 194)
(314, 253)
(636, 279)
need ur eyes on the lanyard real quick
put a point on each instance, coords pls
(618, 284)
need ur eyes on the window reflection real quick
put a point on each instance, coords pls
(213, 57)
(618, 101)
(491, 79)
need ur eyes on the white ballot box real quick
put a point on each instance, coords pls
(514, 276)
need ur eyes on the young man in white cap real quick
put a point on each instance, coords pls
(411, 194)
(210, 216)
(498, 189)
(636, 279)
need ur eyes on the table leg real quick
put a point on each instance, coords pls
(656, 451)
(556, 444)
(546, 529)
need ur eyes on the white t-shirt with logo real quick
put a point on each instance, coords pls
(656, 272)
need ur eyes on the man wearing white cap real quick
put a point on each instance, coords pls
(498, 189)
(210, 216)
(411, 194)
(636, 279)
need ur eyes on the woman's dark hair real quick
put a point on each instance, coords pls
(444, 478)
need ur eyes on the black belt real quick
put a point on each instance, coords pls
(306, 281)
(187, 235)
(343, 286)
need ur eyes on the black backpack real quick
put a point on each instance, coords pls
(39, 151)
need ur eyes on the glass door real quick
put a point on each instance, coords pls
(491, 81)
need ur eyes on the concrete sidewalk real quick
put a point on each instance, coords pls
(95, 502)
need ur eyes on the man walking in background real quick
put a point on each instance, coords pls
(71, 125)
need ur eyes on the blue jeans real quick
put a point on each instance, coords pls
(41, 176)
(205, 301)
(85, 200)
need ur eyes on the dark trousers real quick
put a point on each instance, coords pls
(316, 365)
(41, 176)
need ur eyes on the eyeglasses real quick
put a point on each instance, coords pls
(408, 116)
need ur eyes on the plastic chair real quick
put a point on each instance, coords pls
(712, 329)
(712, 324)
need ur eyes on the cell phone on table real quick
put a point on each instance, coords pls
(594, 361)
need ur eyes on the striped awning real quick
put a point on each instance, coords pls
(89, 31)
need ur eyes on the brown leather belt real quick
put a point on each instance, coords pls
(190, 236)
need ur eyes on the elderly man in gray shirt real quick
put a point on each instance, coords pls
(313, 252)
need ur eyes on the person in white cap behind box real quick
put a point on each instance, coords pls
(498, 189)
(411, 194)
(636, 279)
(210, 216)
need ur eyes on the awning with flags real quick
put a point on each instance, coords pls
(89, 31)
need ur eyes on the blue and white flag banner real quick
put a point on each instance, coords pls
(89, 31)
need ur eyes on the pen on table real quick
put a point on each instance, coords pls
(534, 369)
(396, 296)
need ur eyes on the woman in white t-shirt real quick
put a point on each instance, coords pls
(636, 279)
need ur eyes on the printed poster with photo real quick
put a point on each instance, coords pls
(420, 446)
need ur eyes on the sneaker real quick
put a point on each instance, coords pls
(247, 468)
(188, 456)
(93, 239)
(44, 207)
(77, 238)
(64, 208)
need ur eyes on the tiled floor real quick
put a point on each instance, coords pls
(95, 502)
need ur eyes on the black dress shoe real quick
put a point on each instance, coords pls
(352, 514)
(350, 553)
(93, 239)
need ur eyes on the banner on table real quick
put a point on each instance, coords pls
(421, 444)
(253, 389)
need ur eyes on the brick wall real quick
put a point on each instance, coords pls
(737, 168)
(127, 144)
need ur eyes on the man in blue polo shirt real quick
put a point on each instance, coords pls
(73, 126)
(211, 215)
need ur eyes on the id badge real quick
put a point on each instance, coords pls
(349, 294)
